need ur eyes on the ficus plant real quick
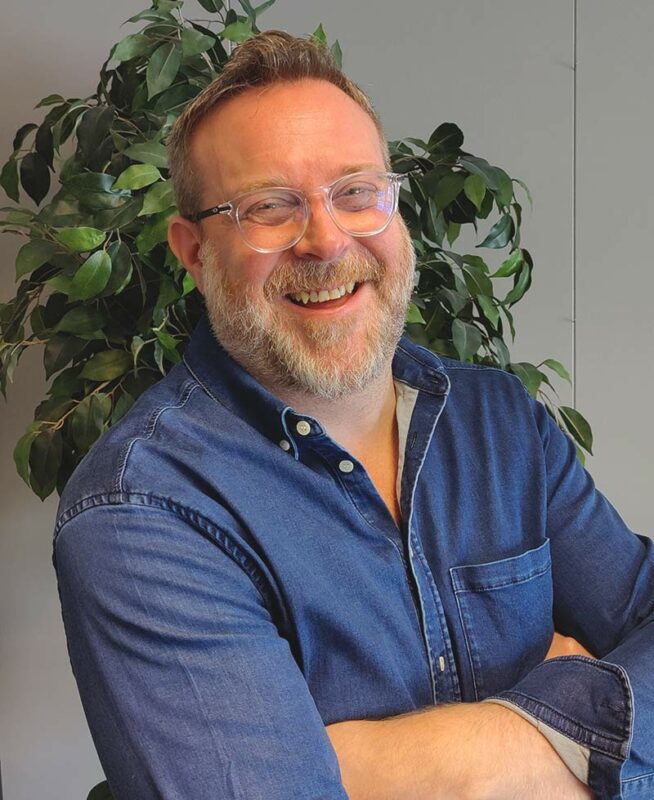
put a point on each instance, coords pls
(111, 307)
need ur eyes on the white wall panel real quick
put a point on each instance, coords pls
(615, 266)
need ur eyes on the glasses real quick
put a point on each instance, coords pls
(276, 218)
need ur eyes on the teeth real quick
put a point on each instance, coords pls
(323, 294)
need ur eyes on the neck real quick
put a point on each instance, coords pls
(359, 417)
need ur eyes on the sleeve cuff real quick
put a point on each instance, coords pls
(575, 756)
(590, 703)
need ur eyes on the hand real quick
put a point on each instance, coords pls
(566, 646)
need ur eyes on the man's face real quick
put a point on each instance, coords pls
(302, 135)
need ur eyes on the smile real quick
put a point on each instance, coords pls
(322, 295)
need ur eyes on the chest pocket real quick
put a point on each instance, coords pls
(506, 612)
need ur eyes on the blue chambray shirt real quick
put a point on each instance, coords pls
(231, 582)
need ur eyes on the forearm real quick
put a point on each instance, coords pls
(470, 751)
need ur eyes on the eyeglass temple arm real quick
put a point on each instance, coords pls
(209, 212)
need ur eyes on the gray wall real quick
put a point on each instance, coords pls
(504, 71)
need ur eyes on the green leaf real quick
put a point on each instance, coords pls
(32, 255)
(557, 366)
(121, 272)
(114, 218)
(81, 239)
(153, 153)
(132, 46)
(21, 133)
(433, 223)
(447, 138)
(22, 450)
(159, 198)
(169, 345)
(60, 351)
(66, 125)
(495, 178)
(337, 54)
(188, 284)
(522, 282)
(151, 15)
(512, 265)
(466, 339)
(93, 130)
(453, 231)
(163, 68)
(35, 176)
(500, 234)
(92, 277)
(60, 283)
(530, 376)
(320, 34)
(477, 281)
(107, 365)
(526, 189)
(491, 311)
(194, 42)
(43, 143)
(82, 319)
(153, 232)
(474, 189)
(445, 190)
(238, 32)
(50, 100)
(9, 179)
(503, 354)
(121, 407)
(137, 176)
(471, 260)
(211, 6)
(414, 315)
(578, 427)
(45, 459)
(456, 300)
(87, 421)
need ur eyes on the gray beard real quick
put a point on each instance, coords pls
(315, 357)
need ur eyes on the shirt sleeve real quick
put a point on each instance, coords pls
(603, 577)
(188, 688)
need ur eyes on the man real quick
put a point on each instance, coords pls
(314, 561)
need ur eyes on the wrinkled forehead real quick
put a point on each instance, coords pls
(303, 134)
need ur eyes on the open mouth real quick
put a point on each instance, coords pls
(324, 298)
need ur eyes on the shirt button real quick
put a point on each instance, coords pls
(346, 465)
(285, 445)
(303, 427)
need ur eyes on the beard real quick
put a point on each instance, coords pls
(328, 358)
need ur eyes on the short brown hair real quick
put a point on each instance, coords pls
(269, 57)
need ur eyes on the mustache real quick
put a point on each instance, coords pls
(306, 276)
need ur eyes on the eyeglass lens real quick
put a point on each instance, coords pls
(272, 219)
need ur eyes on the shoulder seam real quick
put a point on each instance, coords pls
(205, 526)
(187, 391)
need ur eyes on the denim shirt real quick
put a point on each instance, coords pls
(231, 582)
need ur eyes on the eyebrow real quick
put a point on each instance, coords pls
(280, 180)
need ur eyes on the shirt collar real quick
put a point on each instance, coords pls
(229, 384)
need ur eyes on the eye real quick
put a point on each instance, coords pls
(356, 196)
(269, 209)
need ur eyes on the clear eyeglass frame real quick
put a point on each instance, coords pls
(232, 207)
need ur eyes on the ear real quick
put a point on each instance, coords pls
(184, 240)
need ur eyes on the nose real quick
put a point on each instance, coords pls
(323, 240)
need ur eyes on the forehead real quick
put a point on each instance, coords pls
(302, 133)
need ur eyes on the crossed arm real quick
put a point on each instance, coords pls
(469, 751)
